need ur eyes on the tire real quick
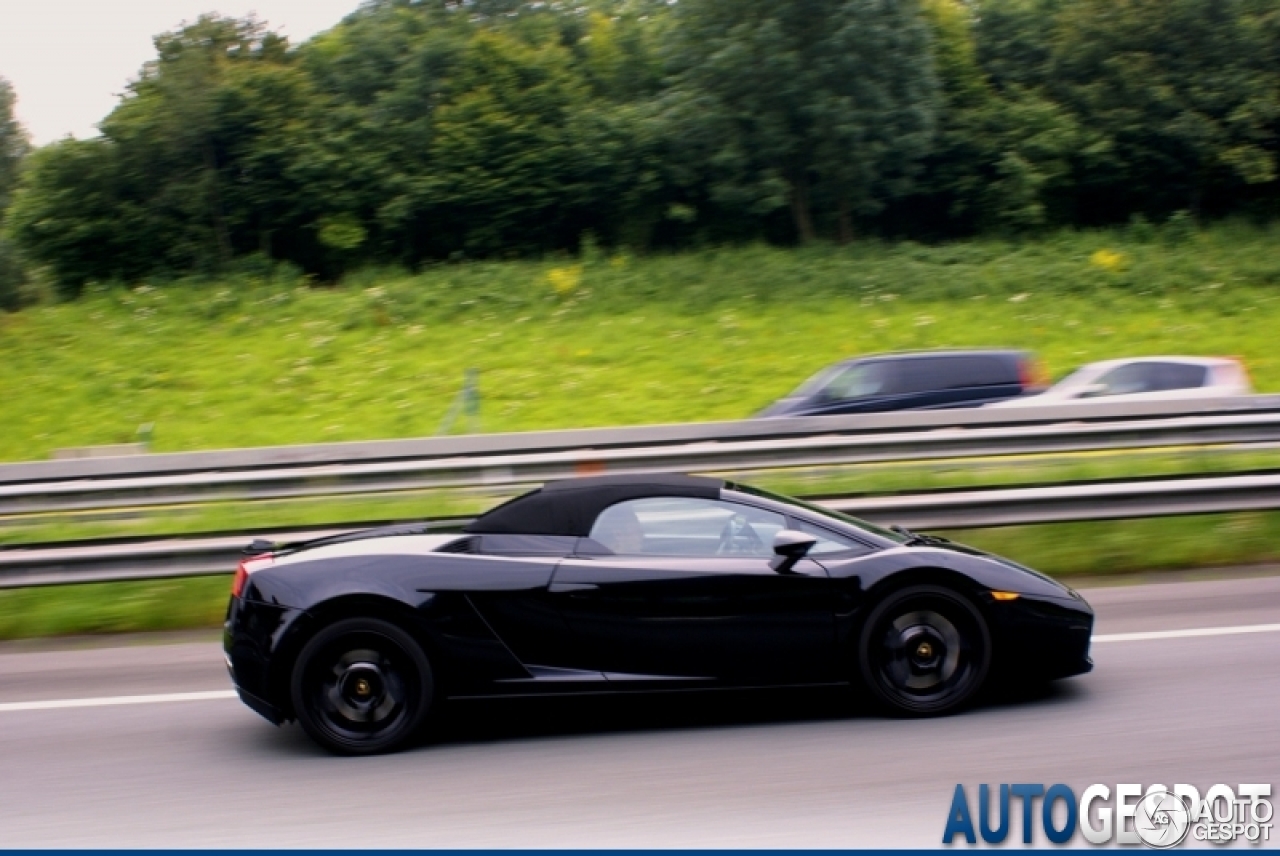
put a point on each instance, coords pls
(924, 651)
(361, 686)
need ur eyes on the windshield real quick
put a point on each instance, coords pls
(887, 534)
(815, 383)
(1079, 377)
(844, 382)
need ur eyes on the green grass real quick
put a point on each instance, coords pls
(1012, 471)
(279, 516)
(1114, 547)
(1069, 551)
(702, 336)
(133, 607)
(566, 343)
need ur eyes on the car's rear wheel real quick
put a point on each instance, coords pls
(924, 651)
(361, 686)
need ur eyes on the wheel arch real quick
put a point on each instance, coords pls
(937, 575)
(960, 584)
(325, 613)
(925, 575)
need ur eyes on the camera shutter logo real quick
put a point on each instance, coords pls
(1161, 819)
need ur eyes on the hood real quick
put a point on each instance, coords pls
(1036, 583)
(794, 405)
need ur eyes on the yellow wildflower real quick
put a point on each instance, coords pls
(1109, 260)
(565, 280)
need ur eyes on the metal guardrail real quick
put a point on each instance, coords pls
(789, 443)
(481, 446)
(988, 508)
(938, 510)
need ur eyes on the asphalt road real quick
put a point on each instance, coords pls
(743, 770)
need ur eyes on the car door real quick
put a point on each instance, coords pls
(681, 589)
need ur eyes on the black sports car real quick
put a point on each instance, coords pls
(633, 584)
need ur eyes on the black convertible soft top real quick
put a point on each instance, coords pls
(570, 507)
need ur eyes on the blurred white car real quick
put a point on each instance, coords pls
(1144, 379)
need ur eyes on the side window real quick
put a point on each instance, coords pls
(962, 372)
(857, 381)
(1127, 380)
(951, 372)
(828, 541)
(685, 526)
(1179, 376)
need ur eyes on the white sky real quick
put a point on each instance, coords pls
(69, 60)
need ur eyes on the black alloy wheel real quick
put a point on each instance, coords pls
(924, 651)
(361, 686)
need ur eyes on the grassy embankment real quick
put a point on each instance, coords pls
(562, 343)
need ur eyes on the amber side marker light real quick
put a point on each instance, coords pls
(1005, 595)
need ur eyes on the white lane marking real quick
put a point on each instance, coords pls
(1185, 634)
(209, 695)
(56, 704)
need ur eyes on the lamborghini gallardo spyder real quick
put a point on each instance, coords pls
(633, 584)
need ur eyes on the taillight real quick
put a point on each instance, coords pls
(242, 574)
(1245, 381)
(1242, 373)
(1032, 374)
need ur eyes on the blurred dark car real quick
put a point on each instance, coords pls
(924, 380)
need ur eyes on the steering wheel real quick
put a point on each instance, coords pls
(738, 538)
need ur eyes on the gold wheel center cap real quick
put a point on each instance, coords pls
(362, 687)
(924, 651)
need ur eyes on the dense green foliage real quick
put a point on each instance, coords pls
(811, 104)
(715, 334)
(422, 130)
(13, 144)
(13, 147)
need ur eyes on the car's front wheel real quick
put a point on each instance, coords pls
(361, 686)
(924, 651)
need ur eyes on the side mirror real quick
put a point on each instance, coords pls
(789, 547)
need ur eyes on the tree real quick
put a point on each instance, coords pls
(74, 214)
(188, 172)
(501, 154)
(185, 126)
(808, 104)
(1015, 40)
(13, 145)
(380, 79)
(512, 128)
(1002, 148)
(13, 148)
(1186, 94)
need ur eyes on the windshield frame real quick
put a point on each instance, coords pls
(830, 514)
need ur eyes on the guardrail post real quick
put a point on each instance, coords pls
(467, 403)
(471, 400)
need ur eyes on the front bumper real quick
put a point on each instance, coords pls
(1043, 638)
